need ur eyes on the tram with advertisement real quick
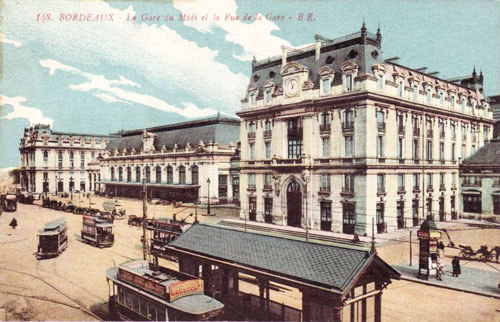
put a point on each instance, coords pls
(139, 291)
(53, 239)
(164, 230)
(97, 231)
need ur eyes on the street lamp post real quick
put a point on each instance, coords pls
(208, 204)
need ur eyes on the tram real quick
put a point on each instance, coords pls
(164, 230)
(97, 231)
(139, 292)
(8, 202)
(53, 239)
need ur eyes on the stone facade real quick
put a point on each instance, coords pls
(184, 161)
(54, 162)
(334, 137)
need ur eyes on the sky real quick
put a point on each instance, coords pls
(90, 67)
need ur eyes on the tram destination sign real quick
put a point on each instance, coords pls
(142, 282)
(185, 288)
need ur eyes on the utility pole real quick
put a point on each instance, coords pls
(411, 254)
(144, 216)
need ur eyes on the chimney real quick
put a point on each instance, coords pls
(283, 55)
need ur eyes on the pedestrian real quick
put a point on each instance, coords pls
(439, 265)
(13, 223)
(456, 266)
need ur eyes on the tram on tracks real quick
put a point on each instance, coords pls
(164, 230)
(53, 239)
(140, 292)
(97, 231)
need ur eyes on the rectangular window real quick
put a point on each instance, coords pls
(380, 146)
(348, 218)
(441, 99)
(401, 182)
(441, 179)
(400, 148)
(325, 84)
(452, 102)
(236, 187)
(429, 180)
(325, 182)
(267, 146)
(429, 150)
(268, 207)
(82, 160)
(326, 216)
(416, 182)
(441, 151)
(129, 174)
(325, 142)
(251, 180)
(267, 180)
(223, 186)
(170, 174)
(348, 183)
(428, 96)
(380, 83)
(348, 83)
(462, 105)
(380, 120)
(251, 151)
(380, 182)
(268, 96)
(252, 99)
(415, 149)
(415, 93)
(348, 146)
(294, 149)
(414, 209)
(453, 156)
(401, 88)
(463, 152)
(380, 214)
(453, 179)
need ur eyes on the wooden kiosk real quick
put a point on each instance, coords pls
(428, 236)
(334, 280)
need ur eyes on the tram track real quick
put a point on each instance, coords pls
(80, 306)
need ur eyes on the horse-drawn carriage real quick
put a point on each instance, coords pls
(483, 253)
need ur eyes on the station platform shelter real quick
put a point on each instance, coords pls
(332, 283)
(169, 192)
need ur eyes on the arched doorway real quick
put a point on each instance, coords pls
(294, 203)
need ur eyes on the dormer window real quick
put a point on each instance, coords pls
(415, 93)
(348, 83)
(380, 83)
(428, 95)
(325, 85)
(252, 98)
(267, 96)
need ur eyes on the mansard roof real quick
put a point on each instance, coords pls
(220, 130)
(488, 155)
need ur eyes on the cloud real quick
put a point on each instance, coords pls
(110, 91)
(155, 52)
(4, 39)
(255, 38)
(32, 114)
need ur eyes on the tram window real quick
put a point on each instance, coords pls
(161, 314)
(143, 308)
(200, 271)
(128, 300)
(151, 311)
(135, 302)
(121, 298)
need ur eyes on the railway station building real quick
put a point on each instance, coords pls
(55, 162)
(187, 161)
(335, 137)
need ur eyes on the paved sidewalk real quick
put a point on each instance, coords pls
(471, 280)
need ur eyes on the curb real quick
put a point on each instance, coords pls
(416, 280)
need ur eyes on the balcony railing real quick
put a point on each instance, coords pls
(251, 135)
(347, 191)
(381, 127)
(416, 189)
(324, 189)
(401, 190)
(453, 136)
(267, 187)
(347, 126)
(416, 131)
(295, 131)
(429, 133)
(442, 187)
(267, 134)
(401, 130)
(441, 135)
(324, 128)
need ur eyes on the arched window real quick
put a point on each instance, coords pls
(170, 174)
(45, 156)
(194, 174)
(112, 174)
(182, 174)
(120, 174)
(293, 186)
(158, 174)
(148, 174)
(137, 174)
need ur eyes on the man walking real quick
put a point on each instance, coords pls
(456, 266)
